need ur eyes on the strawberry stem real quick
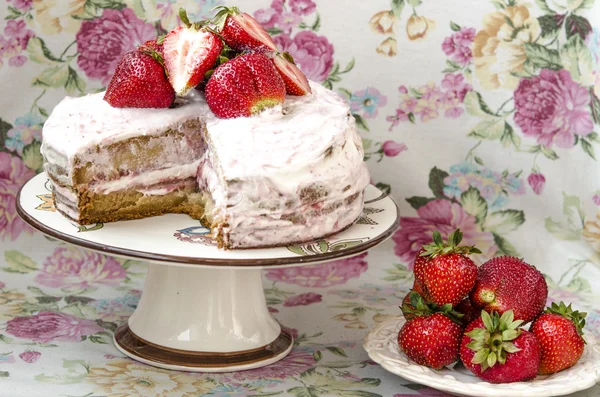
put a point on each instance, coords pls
(419, 307)
(184, 17)
(487, 296)
(221, 16)
(289, 57)
(492, 343)
(440, 247)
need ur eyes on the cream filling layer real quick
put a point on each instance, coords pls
(67, 210)
(142, 181)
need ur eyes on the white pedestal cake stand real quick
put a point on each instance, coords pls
(202, 309)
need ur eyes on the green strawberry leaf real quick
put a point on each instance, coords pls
(509, 334)
(475, 345)
(487, 321)
(437, 238)
(480, 356)
(510, 348)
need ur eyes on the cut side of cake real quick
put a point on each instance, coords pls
(290, 174)
(108, 164)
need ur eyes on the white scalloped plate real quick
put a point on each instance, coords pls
(382, 346)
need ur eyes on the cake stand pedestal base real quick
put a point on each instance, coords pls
(203, 320)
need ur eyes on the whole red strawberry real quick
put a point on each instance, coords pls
(139, 81)
(559, 332)
(447, 275)
(432, 340)
(242, 32)
(189, 52)
(244, 86)
(508, 283)
(496, 350)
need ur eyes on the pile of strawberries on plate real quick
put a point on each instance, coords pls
(457, 311)
(230, 57)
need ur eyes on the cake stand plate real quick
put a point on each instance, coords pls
(202, 309)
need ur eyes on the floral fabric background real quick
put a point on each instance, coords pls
(480, 115)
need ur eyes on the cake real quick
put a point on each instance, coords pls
(290, 172)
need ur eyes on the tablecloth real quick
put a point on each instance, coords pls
(480, 115)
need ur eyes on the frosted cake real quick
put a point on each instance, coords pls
(264, 169)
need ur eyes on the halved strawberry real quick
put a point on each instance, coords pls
(295, 81)
(242, 32)
(244, 86)
(189, 52)
(139, 81)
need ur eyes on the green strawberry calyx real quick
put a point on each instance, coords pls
(221, 16)
(441, 247)
(183, 16)
(419, 307)
(493, 343)
(578, 318)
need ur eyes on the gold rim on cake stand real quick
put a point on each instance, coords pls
(202, 309)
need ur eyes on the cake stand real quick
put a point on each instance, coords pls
(202, 309)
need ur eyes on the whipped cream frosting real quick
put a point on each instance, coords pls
(286, 144)
(77, 124)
